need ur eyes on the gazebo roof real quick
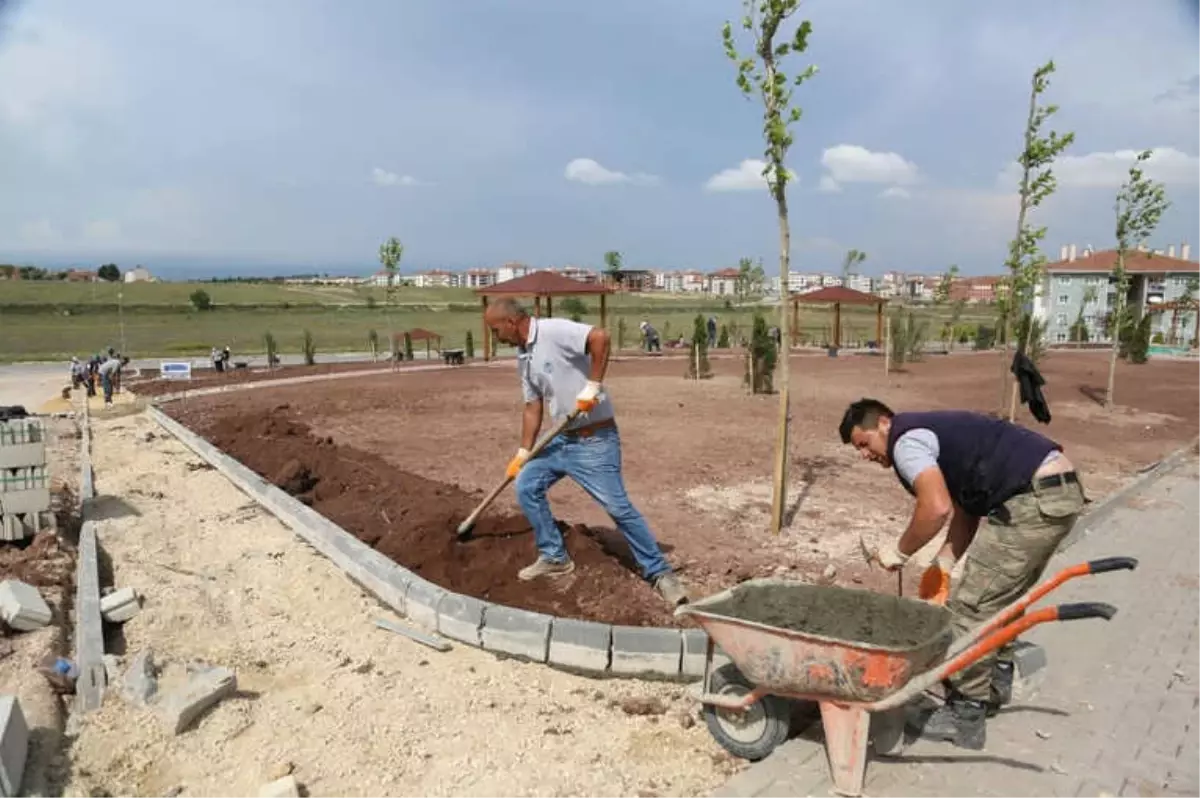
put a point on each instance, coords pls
(420, 334)
(839, 294)
(543, 283)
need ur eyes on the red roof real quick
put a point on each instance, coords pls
(419, 334)
(1136, 262)
(839, 294)
(542, 283)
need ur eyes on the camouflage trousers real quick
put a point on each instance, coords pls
(1007, 557)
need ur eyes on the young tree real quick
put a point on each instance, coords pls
(612, 262)
(698, 367)
(1079, 330)
(750, 279)
(850, 265)
(1141, 202)
(1025, 259)
(941, 296)
(390, 252)
(1186, 303)
(109, 273)
(759, 73)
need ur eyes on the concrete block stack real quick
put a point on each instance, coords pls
(24, 479)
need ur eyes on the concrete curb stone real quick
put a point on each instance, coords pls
(580, 645)
(519, 633)
(421, 602)
(642, 651)
(460, 618)
(14, 745)
(695, 650)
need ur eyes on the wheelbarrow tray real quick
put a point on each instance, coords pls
(823, 642)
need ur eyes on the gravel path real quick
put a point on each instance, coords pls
(353, 709)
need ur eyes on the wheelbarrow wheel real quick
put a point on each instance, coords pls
(752, 733)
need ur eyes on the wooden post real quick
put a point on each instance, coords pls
(1013, 400)
(837, 325)
(537, 307)
(879, 324)
(487, 333)
(428, 352)
(887, 347)
(603, 312)
(549, 307)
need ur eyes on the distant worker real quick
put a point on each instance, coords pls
(562, 364)
(963, 467)
(650, 337)
(110, 374)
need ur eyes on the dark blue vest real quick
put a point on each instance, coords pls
(985, 461)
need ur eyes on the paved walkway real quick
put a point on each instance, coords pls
(1115, 711)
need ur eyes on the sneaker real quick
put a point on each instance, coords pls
(1002, 687)
(670, 588)
(959, 721)
(545, 567)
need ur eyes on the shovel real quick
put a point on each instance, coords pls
(464, 529)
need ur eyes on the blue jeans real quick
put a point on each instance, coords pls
(594, 463)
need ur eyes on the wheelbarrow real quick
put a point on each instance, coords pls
(853, 652)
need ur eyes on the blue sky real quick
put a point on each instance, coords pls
(301, 133)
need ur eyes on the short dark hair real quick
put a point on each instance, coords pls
(864, 413)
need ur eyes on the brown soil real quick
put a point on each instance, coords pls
(43, 562)
(207, 378)
(413, 520)
(697, 456)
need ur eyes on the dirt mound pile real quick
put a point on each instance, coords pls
(413, 520)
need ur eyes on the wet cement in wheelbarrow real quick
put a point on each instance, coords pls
(412, 520)
(858, 616)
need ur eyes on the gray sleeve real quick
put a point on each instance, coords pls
(915, 451)
(529, 391)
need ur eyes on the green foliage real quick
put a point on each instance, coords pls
(759, 73)
(750, 280)
(574, 307)
(200, 299)
(390, 253)
(666, 332)
(908, 338)
(272, 348)
(309, 349)
(760, 360)
(109, 273)
(371, 302)
(1031, 336)
(1139, 346)
(1157, 338)
(622, 331)
(1025, 259)
(612, 261)
(469, 348)
(698, 366)
(723, 337)
(1141, 203)
(408, 351)
(1078, 331)
(850, 264)
(941, 294)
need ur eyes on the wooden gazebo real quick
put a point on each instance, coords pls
(540, 285)
(428, 336)
(837, 296)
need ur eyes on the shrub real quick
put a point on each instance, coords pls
(985, 337)
(574, 307)
(760, 360)
(272, 349)
(310, 349)
(723, 338)
(1031, 338)
(469, 348)
(371, 302)
(698, 367)
(908, 338)
(1139, 344)
(1157, 338)
(622, 329)
(201, 300)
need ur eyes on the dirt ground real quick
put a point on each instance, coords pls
(47, 561)
(353, 709)
(207, 378)
(697, 455)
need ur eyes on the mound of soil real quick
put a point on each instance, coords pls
(413, 520)
(41, 562)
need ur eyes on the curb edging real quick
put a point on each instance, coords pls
(89, 626)
(585, 647)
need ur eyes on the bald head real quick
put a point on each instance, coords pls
(508, 320)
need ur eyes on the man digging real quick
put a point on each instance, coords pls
(562, 363)
(973, 466)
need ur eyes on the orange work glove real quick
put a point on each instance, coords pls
(514, 465)
(587, 398)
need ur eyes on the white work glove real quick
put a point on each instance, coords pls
(890, 557)
(515, 464)
(587, 398)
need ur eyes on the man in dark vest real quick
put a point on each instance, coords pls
(963, 467)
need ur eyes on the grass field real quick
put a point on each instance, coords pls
(46, 321)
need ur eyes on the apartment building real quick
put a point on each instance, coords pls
(1082, 281)
(436, 278)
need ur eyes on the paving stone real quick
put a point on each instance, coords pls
(22, 606)
(580, 645)
(120, 605)
(695, 651)
(516, 632)
(421, 602)
(285, 787)
(646, 651)
(203, 689)
(460, 618)
(139, 684)
(14, 745)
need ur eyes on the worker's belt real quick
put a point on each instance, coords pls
(591, 429)
(1050, 481)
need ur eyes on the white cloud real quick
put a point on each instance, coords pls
(1111, 169)
(850, 163)
(382, 177)
(590, 172)
(102, 230)
(895, 192)
(38, 233)
(746, 176)
(828, 185)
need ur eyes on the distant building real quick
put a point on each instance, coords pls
(511, 271)
(138, 274)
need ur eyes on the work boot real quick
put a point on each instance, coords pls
(960, 721)
(1002, 686)
(545, 567)
(671, 589)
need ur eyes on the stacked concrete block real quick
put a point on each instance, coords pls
(22, 606)
(14, 745)
(24, 480)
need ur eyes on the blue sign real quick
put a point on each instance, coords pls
(175, 370)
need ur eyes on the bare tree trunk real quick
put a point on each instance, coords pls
(1118, 320)
(1012, 291)
(779, 492)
